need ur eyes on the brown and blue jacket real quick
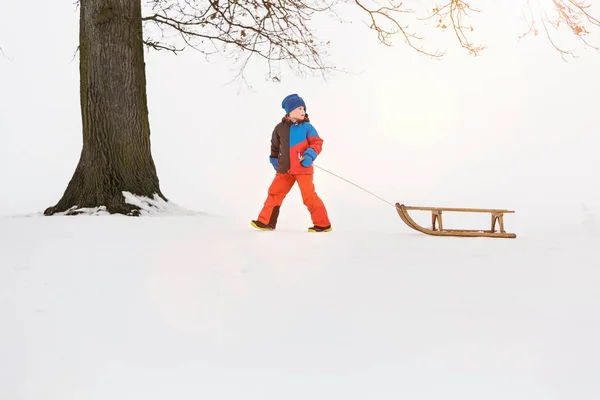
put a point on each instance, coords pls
(292, 140)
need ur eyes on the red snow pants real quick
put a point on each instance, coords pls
(281, 186)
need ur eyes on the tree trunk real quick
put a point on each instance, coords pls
(116, 154)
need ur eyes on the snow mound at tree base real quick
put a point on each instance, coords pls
(157, 206)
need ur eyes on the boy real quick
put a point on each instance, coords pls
(295, 144)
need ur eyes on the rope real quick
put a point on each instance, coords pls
(371, 193)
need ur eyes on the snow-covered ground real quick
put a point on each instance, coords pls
(203, 306)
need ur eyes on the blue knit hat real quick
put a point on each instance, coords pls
(291, 102)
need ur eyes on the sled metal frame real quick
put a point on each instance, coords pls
(497, 217)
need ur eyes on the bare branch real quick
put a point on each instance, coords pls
(74, 54)
(160, 46)
(272, 30)
(575, 16)
(390, 15)
(452, 15)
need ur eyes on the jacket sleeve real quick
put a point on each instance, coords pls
(315, 143)
(275, 144)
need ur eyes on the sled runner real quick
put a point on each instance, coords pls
(439, 230)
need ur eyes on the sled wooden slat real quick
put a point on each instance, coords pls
(480, 210)
(437, 226)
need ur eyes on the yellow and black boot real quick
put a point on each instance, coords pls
(320, 228)
(260, 226)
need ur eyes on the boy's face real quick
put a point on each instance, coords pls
(297, 113)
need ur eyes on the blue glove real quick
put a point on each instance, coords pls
(274, 162)
(307, 160)
(308, 157)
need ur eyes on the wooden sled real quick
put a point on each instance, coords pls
(436, 217)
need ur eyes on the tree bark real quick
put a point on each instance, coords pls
(116, 154)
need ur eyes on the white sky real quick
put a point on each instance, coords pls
(514, 128)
